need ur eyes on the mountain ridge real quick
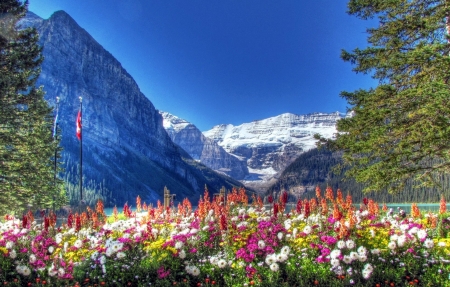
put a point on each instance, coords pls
(126, 150)
(203, 149)
(270, 145)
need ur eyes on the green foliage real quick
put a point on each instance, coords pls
(27, 148)
(400, 129)
(322, 167)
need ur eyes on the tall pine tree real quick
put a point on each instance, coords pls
(27, 148)
(400, 129)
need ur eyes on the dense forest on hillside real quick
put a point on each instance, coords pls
(316, 167)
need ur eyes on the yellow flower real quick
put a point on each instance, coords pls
(443, 245)
(155, 245)
(4, 250)
(172, 249)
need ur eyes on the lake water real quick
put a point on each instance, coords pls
(423, 207)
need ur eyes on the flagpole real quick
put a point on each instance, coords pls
(81, 150)
(55, 134)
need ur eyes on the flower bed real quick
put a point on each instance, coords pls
(325, 241)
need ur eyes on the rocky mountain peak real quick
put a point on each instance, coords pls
(203, 149)
(269, 145)
(126, 150)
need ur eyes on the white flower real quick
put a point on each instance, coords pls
(109, 251)
(32, 258)
(428, 243)
(195, 271)
(350, 244)
(362, 257)
(335, 253)
(368, 267)
(414, 230)
(61, 272)
(13, 254)
(334, 262)
(341, 244)
(179, 245)
(9, 245)
(221, 263)
(261, 244)
(58, 238)
(280, 235)
(281, 257)
(103, 260)
(404, 227)
(366, 274)
(274, 267)
(307, 229)
(285, 250)
(394, 237)
(287, 224)
(78, 243)
(270, 259)
(51, 249)
(375, 251)
(120, 255)
(422, 234)
(213, 260)
(94, 255)
(392, 245)
(354, 255)
(182, 254)
(347, 259)
(52, 271)
(294, 232)
(24, 270)
(115, 247)
(362, 250)
(401, 241)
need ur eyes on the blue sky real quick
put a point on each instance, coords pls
(227, 62)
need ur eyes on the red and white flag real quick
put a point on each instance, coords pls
(79, 125)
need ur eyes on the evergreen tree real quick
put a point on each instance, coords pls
(400, 130)
(27, 148)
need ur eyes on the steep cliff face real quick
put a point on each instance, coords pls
(203, 149)
(270, 145)
(125, 147)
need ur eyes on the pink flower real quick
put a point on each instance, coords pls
(162, 273)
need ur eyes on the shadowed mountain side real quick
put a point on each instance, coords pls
(316, 167)
(126, 150)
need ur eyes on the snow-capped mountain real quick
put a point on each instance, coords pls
(203, 149)
(270, 145)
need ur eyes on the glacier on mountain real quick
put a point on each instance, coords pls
(270, 145)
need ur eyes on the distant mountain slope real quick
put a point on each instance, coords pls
(315, 167)
(203, 149)
(126, 149)
(270, 145)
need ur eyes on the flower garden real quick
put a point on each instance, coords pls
(324, 241)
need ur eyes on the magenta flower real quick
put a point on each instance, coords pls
(162, 272)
